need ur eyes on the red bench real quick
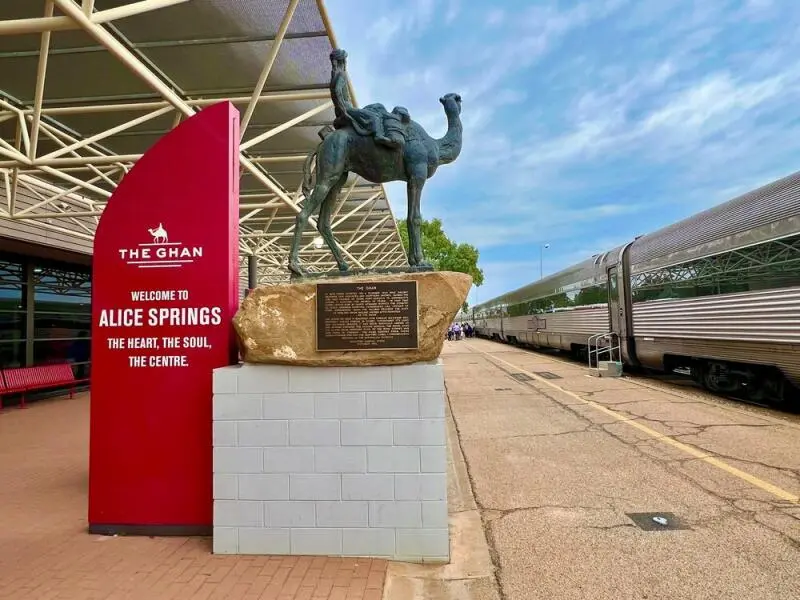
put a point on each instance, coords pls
(21, 380)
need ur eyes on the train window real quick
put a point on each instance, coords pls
(770, 265)
(612, 282)
(594, 294)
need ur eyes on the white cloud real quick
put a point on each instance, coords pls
(582, 122)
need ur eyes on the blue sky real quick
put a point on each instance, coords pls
(585, 123)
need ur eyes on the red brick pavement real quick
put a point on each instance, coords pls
(46, 553)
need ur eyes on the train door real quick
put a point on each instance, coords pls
(614, 312)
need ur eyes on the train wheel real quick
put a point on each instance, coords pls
(716, 378)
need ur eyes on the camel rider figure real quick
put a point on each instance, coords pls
(368, 120)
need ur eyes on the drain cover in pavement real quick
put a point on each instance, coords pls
(548, 375)
(520, 376)
(656, 521)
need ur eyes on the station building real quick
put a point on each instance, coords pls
(87, 89)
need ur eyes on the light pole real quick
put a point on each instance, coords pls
(541, 259)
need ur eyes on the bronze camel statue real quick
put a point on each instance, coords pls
(408, 154)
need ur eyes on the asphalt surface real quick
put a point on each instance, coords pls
(557, 466)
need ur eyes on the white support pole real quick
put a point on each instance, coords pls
(41, 75)
(9, 195)
(22, 135)
(344, 200)
(56, 215)
(273, 54)
(125, 56)
(15, 155)
(377, 246)
(44, 185)
(41, 24)
(76, 181)
(88, 7)
(82, 161)
(287, 125)
(128, 59)
(63, 195)
(201, 102)
(107, 133)
(355, 210)
(380, 223)
(14, 187)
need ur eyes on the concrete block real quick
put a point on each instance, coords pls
(351, 405)
(425, 486)
(423, 542)
(434, 515)
(368, 542)
(315, 487)
(236, 407)
(288, 406)
(225, 540)
(224, 380)
(272, 486)
(392, 405)
(288, 460)
(290, 514)
(433, 459)
(367, 487)
(238, 513)
(395, 514)
(262, 433)
(263, 379)
(365, 379)
(314, 379)
(264, 541)
(225, 486)
(340, 460)
(316, 541)
(366, 432)
(393, 459)
(224, 433)
(342, 514)
(314, 432)
(421, 377)
(238, 460)
(431, 405)
(419, 432)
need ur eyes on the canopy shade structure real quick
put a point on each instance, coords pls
(87, 86)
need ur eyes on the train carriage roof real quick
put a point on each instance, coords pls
(589, 270)
(769, 212)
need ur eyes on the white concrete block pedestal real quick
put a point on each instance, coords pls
(336, 461)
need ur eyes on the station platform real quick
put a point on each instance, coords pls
(562, 464)
(554, 477)
(46, 553)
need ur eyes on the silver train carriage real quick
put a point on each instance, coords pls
(716, 295)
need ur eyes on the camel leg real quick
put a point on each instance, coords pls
(311, 204)
(324, 222)
(416, 181)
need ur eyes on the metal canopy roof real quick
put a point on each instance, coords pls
(87, 86)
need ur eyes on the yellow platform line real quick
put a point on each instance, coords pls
(667, 439)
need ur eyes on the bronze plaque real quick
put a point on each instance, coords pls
(367, 315)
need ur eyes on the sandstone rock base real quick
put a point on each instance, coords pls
(277, 324)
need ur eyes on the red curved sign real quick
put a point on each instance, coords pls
(165, 281)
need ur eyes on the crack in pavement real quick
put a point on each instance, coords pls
(588, 428)
(492, 517)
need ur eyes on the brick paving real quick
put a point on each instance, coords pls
(46, 553)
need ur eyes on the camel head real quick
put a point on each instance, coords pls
(451, 101)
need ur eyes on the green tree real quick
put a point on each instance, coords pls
(443, 253)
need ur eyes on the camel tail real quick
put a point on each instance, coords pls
(307, 184)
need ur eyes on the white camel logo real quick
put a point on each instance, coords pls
(159, 234)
